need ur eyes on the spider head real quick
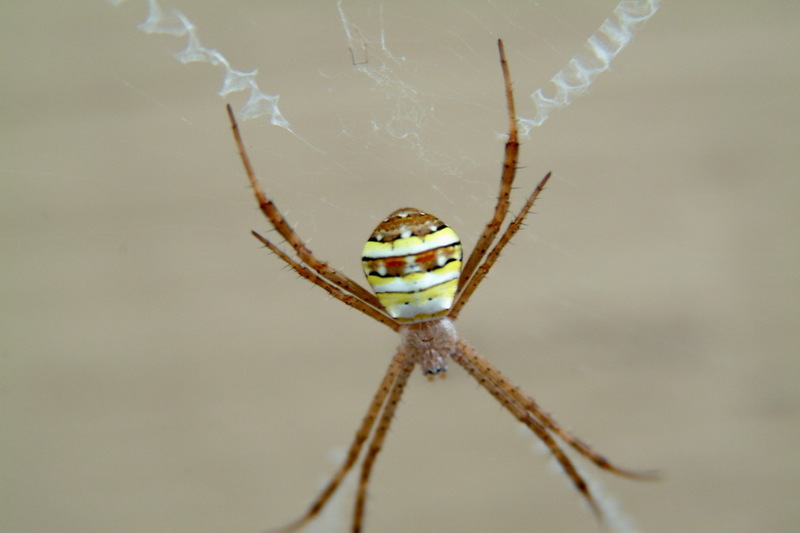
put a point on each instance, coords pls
(412, 261)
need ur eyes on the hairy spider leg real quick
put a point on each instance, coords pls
(278, 221)
(387, 386)
(506, 181)
(376, 444)
(493, 375)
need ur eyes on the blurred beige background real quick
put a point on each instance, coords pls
(162, 373)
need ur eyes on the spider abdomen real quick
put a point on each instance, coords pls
(412, 261)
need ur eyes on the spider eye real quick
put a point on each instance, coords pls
(413, 261)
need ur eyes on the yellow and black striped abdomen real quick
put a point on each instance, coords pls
(412, 261)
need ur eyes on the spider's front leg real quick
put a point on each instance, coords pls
(397, 373)
(502, 391)
(527, 411)
(377, 440)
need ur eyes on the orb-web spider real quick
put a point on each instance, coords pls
(413, 262)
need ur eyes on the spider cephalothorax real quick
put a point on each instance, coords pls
(413, 261)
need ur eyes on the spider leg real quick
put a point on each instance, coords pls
(387, 386)
(530, 405)
(483, 269)
(333, 290)
(377, 441)
(472, 362)
(583, 448)
(506, 181)
(277, 220)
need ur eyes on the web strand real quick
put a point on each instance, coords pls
(592, 60)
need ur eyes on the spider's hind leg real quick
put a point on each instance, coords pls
(492, 228)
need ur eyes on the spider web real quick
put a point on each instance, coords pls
(404, 114)
(401, 104)
(409, 117)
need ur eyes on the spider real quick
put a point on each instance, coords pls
(413, 261)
